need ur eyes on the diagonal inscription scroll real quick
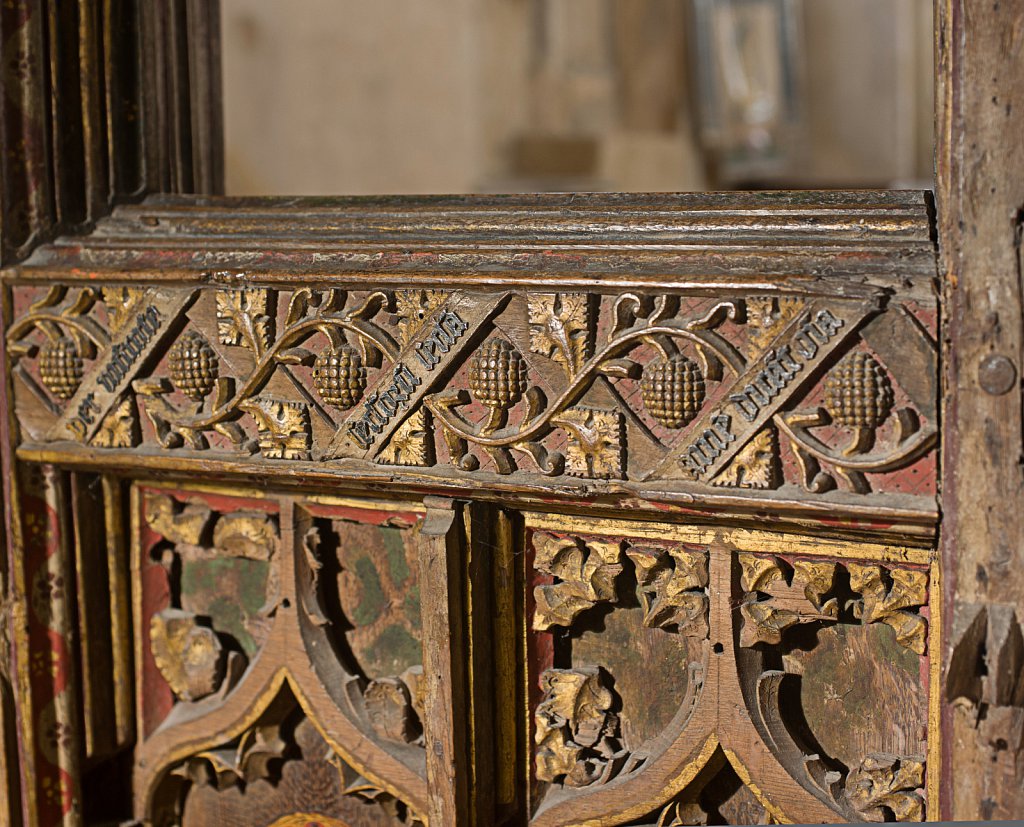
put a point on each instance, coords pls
(764, 387)
(438, 342)
(155, 313)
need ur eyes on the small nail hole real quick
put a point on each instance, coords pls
(718, 648)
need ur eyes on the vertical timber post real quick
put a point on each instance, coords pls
(445, 663)
(980, 208)
(104, 103)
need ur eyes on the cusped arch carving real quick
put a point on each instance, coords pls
(297, 658)
(738, 713)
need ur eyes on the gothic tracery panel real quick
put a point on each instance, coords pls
(745, 684)
(619, 512)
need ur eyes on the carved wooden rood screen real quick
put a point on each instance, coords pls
(552, 510)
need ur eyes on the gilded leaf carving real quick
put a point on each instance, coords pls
(560, 328)
(284, 430)
(764, 622)
(767, 316)
(411, 443)
(755, 466)
(586, 572)
(758, 572)
(884, 788)
(596, 448)
(176, 523)
(657, 361)
(120, 428)
(121, 302)
(242, 318)
(576, 731)
(412, 307)
(246, 534)
(818, 578)
(772, 603)
(672, 584)
(189, 656)
(885, 597)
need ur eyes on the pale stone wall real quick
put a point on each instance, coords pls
(357, 97)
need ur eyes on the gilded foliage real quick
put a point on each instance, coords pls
(284, 429)
(242, 318)
(800, 598)
(885, 598)
(673, 585)
(586, 573)
(560, 328)
(756, 465)
(884, 788)
(758, 572)
(410, 444)
(249, 534)
(189, 656)
(576, 731)
(412, 307)
(121, 302)
(766, 318)
(119, 428)
(597, 443)
(177, 523)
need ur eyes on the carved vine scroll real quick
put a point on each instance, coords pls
(644, 388)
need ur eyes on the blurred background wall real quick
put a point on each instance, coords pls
(389, 96)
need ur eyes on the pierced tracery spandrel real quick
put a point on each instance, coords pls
(586, 570)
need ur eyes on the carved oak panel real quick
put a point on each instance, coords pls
(589, 510)
(664, 656)
(271, 633)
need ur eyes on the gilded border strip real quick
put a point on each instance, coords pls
(755, 540)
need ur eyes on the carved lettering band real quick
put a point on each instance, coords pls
(759, 391)
(380, 406)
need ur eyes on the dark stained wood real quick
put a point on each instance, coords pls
(829, 243)
(980, 202)
(79, 126)
(93, 617)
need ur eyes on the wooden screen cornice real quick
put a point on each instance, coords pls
(659, 351)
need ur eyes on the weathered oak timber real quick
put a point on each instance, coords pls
(102, 102)
(980, 201)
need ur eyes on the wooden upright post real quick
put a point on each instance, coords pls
(980, 203)
(102, 103)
